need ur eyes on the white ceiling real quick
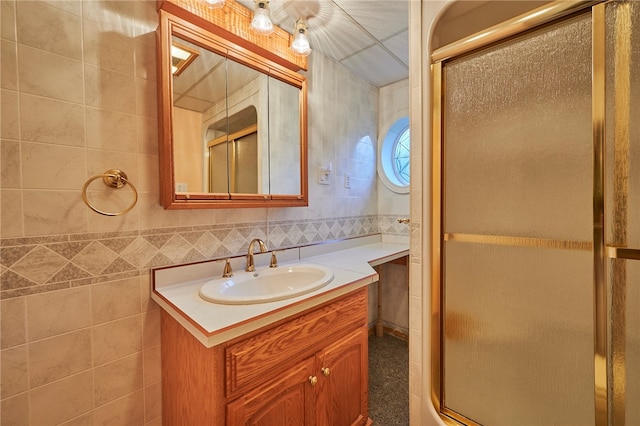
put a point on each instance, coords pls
(370, 37)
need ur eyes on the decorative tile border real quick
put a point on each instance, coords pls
(42, 264)
(388, 224)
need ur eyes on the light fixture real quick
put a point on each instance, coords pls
(261, 22)
(214, 4)
(181, 57)
(300, 43)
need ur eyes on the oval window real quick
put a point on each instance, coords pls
(394, 156)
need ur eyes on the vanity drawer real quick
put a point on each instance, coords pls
(251, 361)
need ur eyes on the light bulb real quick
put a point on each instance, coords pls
(300, 43)
(214, 4)
(261, 22)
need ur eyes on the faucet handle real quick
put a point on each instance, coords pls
(274, 260)
(250, 266)
(227, 272)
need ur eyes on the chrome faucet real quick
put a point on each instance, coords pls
(263, 249)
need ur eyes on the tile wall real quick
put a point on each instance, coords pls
(394, 104)
(79, 334)
(421, 16)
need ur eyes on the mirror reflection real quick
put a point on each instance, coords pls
(233, 153)
(235, 130)
(284, 125)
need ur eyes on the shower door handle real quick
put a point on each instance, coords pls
(622, 253)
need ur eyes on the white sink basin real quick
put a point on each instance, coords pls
(266, 284)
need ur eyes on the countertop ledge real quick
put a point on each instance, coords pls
(175, 289)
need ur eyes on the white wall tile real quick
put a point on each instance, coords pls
(7, 16)
(48, 28)
(62, 400)
(152, 366)
(51, 121)
(146, 92)
(107, 48)
(111, 130)
(62, 211)
(108, 89)
(70, 6)
(58, 357)
(114, 300)
(57, 312)
(11, 224)
(151, 329)
(47, 166)
(115, 15)
(82, 420)
(10, 115)
(9, 77)
(153, 404)
(15, 410)
(61, 81)
(128, 410)
(116, 339)
(10, 164)
(14, 372)
(145, 56)
(148, 136)
(117, 379)
(117, 202)
(13, 330)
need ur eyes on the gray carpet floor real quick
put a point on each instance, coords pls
(388, 381)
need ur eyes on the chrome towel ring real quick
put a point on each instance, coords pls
(116, 179)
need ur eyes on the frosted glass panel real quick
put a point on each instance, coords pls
(624, 282)
(518, 335)
(633, 344)
(623, 203)
(623, 125)
(517, 136)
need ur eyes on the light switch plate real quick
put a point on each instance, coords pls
(323, 176)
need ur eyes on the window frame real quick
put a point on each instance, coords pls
(387, 142)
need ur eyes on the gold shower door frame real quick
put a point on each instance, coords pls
(609, 405)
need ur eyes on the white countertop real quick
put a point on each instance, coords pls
(176, 288)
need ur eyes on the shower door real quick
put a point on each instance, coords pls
(537, 201)
(622, 206)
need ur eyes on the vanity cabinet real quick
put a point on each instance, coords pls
(308, 369)
(287, 400)
(343, 390)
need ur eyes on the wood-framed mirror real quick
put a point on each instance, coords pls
(233, 118)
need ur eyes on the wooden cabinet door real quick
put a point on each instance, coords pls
(343, 394)
(289, 400)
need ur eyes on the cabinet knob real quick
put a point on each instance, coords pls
(326, 371)
(313, 380)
